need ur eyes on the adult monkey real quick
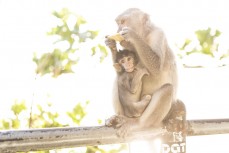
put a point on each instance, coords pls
(150, 44)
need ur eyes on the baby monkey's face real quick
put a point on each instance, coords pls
(127, 63)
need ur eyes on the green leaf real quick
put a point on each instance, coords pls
(206, 39)
(18, 107)
(186, 43)
(224, 55)
(5, 124)
(57, 62)
(78, 113)
(80, 20)
(15, 124)
(93, 49)
(104, 52)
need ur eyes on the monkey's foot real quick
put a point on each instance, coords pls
(110, 121)
(127, 126)
(147, 98)
(115, 121)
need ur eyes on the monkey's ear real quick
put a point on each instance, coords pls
(117, 67)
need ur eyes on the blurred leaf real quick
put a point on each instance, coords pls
(186, 43)
(93, 34)
(224, 55)
(78, 113)
(207, 44)
(93, 49)
(5, 124)
(100, 121)
(206, 39)
(46, 118)
(80, 20)
(102, 49)
(18, 107)
(63, 14)
(16, 123)
(58, 62)
(217, 33)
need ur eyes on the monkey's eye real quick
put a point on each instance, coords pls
(129, 59)
(122, 61)
(122, 21)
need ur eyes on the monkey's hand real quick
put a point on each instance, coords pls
(128, 34)
(127, 45)
(110, 43)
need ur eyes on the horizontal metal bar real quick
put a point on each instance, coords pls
(207, 127)
(53, 138)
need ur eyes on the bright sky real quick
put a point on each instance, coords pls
(23, 30)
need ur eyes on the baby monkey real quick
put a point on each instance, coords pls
(130, 74)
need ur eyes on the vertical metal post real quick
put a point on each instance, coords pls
(174, 141)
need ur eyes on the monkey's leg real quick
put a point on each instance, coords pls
(140, 106)
(154, 113)
(135, 109)
(158, 107)
(114, 120)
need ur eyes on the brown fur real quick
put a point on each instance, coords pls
(130, 85)
(150, 45)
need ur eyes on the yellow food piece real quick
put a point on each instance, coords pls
(116, 37)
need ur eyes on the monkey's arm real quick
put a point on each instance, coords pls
(112, 45)
(136, 82)
(151, 54)
(134, 86)
(116, 102)
(124, 81)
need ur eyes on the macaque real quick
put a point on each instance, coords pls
(130, 75)
(151, 47)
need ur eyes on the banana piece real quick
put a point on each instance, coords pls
(116, 37)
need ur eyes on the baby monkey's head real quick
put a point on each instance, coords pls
(125, 60)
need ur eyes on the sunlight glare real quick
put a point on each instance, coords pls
(143, 146)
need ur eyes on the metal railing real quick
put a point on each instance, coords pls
(53, 138)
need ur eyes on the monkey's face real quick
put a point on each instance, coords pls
(124, 21)
(130, 18)
(121, 22)
(127, 63)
